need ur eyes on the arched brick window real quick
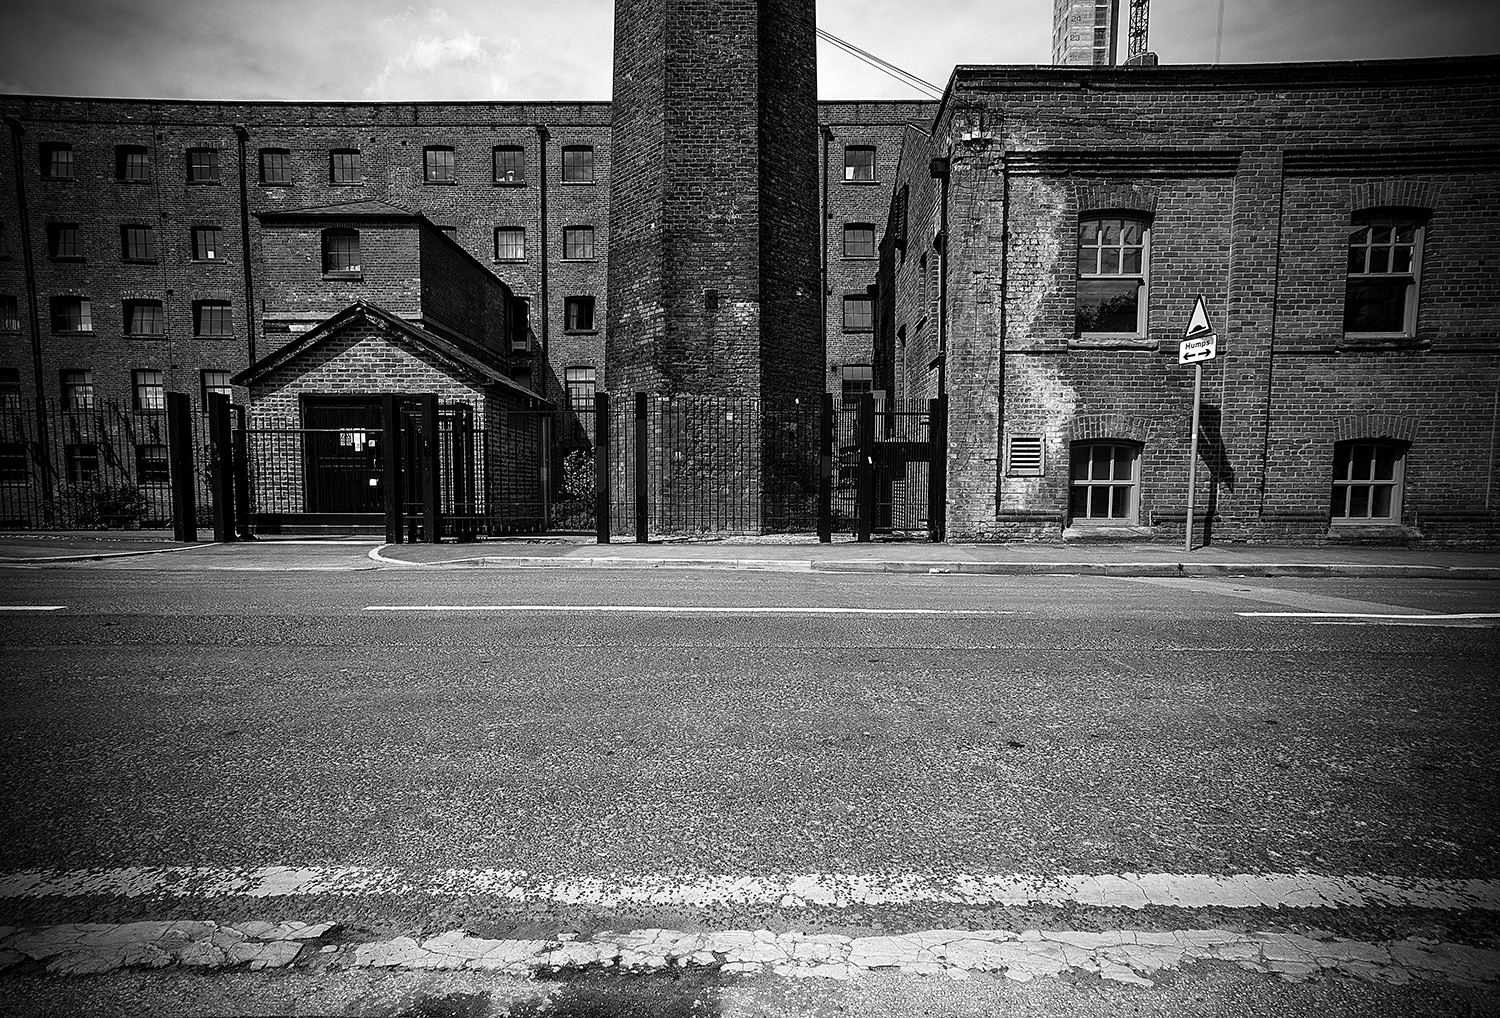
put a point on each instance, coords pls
(1104, 482)
(1367, 482)
(341, 253)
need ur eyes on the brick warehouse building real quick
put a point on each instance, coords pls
(102, 202)
(1341, 222)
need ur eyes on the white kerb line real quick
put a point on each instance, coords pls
(1414, 617)
(32, 607)
(644, 609)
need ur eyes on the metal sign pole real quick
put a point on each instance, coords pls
(1193, 455)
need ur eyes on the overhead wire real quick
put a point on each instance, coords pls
(884, 66)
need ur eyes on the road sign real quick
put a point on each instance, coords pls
(1198, 324)
(1203, 347)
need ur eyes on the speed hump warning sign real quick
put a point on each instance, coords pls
(1199, 342)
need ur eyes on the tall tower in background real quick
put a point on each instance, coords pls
(1085, 33)
(714, 242)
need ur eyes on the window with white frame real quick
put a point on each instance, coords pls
(1385, 257)
(859, 240)
(215, 380)
(578, 242)
(581, 383)
(72, 314)
(1112, 266)
(151, 464)
(578, 314)
(10, 314)
(56, 160)
(64, 242)
(275, 166)
(208, 244)
(1104, 482)
(858, 313)
(203, 165)
(344, 166)
(138, 243)
(132, 164)
(510, 244)
(1367, 482)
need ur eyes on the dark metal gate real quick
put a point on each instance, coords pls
(889, 469)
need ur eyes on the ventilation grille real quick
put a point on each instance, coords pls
(1023, 456)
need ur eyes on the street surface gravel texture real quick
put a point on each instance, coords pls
(398, 790)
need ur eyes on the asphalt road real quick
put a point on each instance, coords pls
(1027, 724)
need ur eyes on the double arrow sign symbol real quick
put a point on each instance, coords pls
(1199, 342)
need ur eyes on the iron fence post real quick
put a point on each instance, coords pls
(937, 469)
(640, 468)
(432, 470)
(825, 469)
(390, 425)
(221, 466)
(241, 445)
(865, 471)
(601, 467)
(180, 463)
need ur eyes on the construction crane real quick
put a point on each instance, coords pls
(1135, 44)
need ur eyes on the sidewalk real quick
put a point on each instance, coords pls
(798, 553)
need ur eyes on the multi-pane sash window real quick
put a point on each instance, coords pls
(77, 389)
(578, 242)
(150, 389)
(10, 388)
(132, 163)
(151, 464)
(859, 162)
(15, 466)
(859, 240)
(275, 166)
(63, 241)
(138, 243)
(10, 314)
(83, 462)
(578, 314)
(1104, 482)
(202, 165)
(72, 314)
(581, 387)
(343, 166)
(857, 379)
(207, 244)
(1367, 482)
(211, 318)
(57, 160)
(1385, 254)
(578, 164)
(510, 244)
(1112, 276)
(857, 314)
(439, 165)
(510, 164)
(215, 380)
(144, 318)
(341, 252)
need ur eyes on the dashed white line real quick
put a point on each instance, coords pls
(32, 607)
(647, 609)
(1415, 618)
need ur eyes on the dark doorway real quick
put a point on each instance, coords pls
(342, 454)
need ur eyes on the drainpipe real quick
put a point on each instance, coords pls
(243, 135)
(542, 135)
(938, 168)
(827, 133)
(43, 445)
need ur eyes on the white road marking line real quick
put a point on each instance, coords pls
(1106, 890)
(32, 607)
(1413, 617)
(643, 609)
(1297, 601)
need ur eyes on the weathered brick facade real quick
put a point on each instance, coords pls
(1249, 180)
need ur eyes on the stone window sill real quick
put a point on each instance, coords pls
(1112, 343)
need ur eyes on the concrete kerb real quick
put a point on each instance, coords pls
(99, 556)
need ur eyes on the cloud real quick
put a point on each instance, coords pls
(443, 61)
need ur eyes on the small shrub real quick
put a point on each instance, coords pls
(93, 506)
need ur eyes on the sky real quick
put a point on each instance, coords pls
(560, 49)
